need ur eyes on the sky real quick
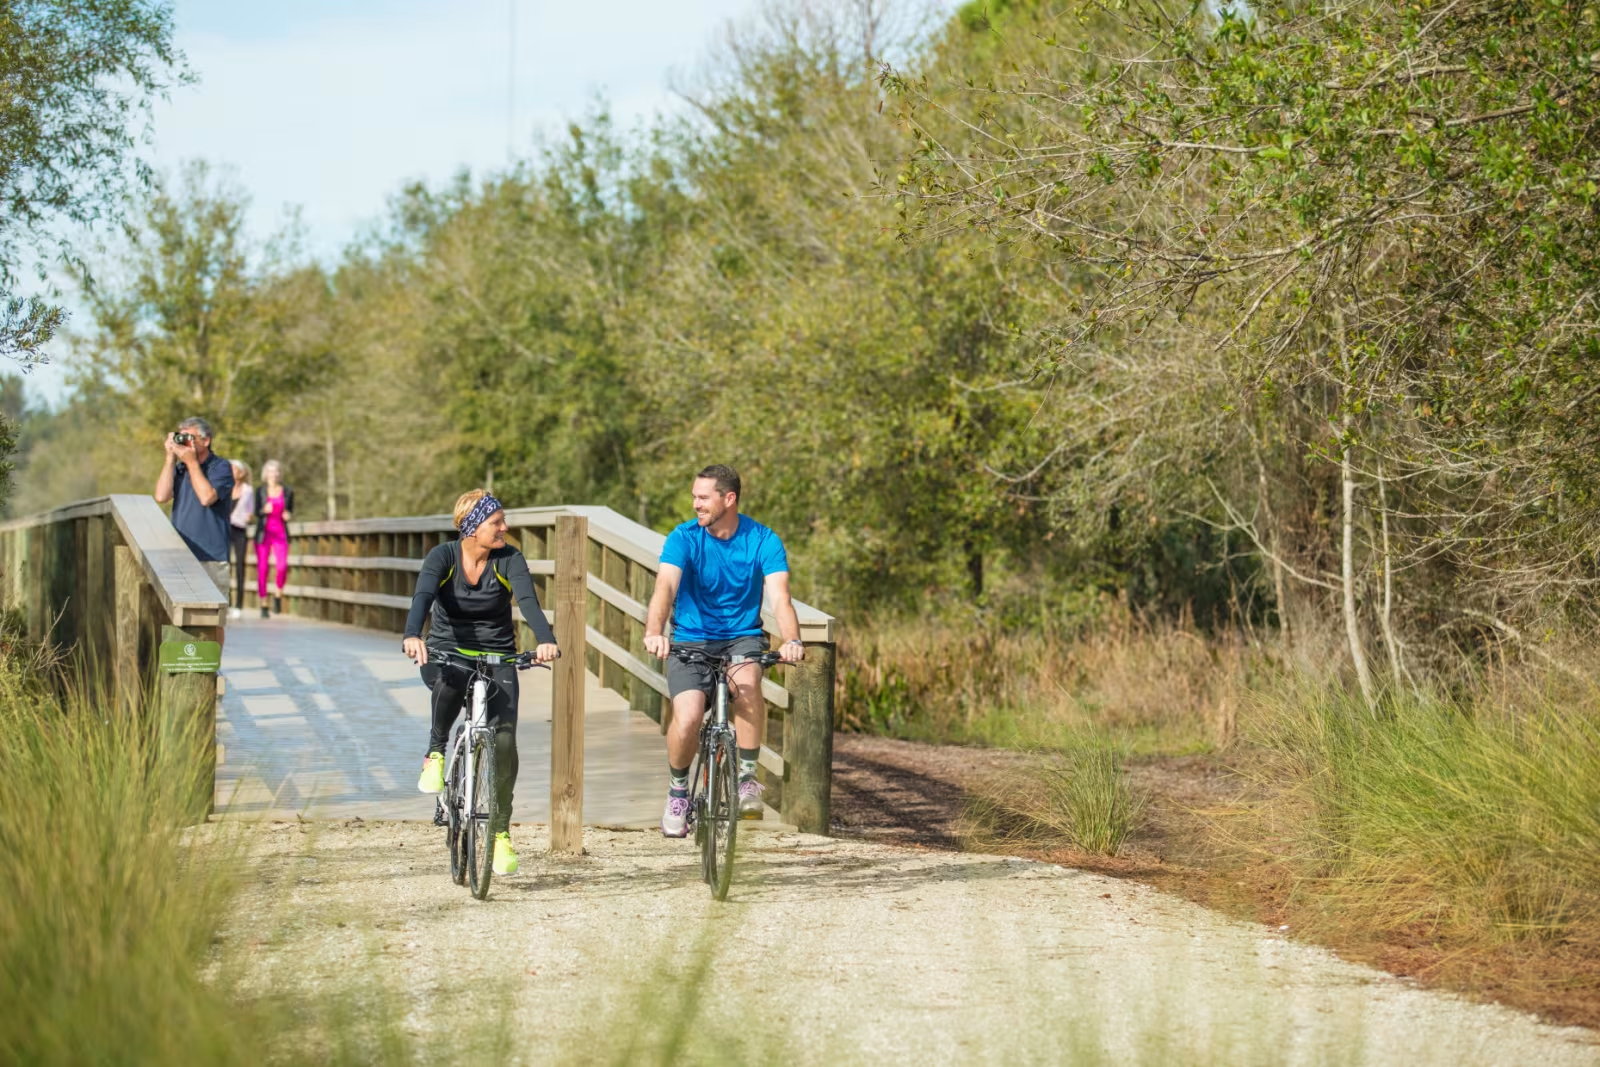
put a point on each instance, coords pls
(331, 106)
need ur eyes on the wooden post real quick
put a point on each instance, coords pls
(566, 719)
(808, 741)
(186, 715)
(96, 591)
(126, 578)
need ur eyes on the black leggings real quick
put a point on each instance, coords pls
(240, 540)
(450, 684)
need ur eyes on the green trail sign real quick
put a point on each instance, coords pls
(191, 657)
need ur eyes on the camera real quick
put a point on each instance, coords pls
(183, 438)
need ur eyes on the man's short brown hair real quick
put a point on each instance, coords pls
(726, 477)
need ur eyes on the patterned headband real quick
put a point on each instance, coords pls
(486, 506)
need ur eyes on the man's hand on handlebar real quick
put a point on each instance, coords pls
(546, 653)
(792, 651)
(658, 645)
(418, 651)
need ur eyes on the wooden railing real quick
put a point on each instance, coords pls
(363, 572)
(110, 580)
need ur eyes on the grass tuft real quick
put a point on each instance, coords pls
(1080, 795)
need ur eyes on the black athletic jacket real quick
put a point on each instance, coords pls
(261, 508)
(475, 618)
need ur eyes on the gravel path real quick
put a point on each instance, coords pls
(828, 952)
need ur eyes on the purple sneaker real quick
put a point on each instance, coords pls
(675, 820)
(750, 805)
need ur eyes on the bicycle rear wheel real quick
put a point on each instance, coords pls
(722, 816)
(480, 821)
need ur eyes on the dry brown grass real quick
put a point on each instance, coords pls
(1153, 684)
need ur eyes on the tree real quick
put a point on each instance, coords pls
(1363, 235)
(75, 73)
(206, 325)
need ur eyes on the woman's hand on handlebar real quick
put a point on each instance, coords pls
(658, 645)
(418, 651)
(546, 653)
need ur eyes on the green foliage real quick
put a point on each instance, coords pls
(1287, 238)
(201, 329)
(76, 73)
(598, 322)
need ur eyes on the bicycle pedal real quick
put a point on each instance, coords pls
(438, 816)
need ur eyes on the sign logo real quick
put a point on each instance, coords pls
(191, 657)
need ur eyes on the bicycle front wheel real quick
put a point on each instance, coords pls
(455, 836)
(480, 821)
(722, 816)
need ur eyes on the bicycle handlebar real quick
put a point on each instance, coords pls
(696, 656)
(521, 661)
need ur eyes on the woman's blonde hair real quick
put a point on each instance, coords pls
(244, 469)
(465, 502)
(271, 465)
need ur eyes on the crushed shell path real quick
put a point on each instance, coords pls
(835, 951)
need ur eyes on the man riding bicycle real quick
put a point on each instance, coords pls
(469, 585)
(714, 569)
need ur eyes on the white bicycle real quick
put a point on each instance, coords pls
(467, 807)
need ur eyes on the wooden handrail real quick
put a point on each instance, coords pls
(175, 576)
(632, 540)
(363, 571)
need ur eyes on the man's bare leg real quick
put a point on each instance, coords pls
(749, 709)
(749, 724)
(683, 735)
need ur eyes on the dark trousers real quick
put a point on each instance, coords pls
(450, 685)
(240, 540)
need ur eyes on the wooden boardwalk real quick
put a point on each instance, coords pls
(329, 721)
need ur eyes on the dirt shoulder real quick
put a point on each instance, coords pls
(915, 794)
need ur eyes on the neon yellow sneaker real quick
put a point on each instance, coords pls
(505, 861)
(432, 779)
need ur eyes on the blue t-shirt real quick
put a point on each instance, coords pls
(719, 597)
(204, 529)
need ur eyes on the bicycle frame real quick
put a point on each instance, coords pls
(716, 723)
(476, 721)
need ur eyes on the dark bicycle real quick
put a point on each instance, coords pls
(467, 807)
(714, 776)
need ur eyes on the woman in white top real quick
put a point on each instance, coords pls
(244, 508)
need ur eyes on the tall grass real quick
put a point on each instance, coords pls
(1479, 816)
(110, 897)
(106, 898)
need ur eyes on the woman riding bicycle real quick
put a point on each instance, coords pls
(469, 584)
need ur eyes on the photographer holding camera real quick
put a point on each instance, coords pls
(200, 485)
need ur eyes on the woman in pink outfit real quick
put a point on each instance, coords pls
(274, 509)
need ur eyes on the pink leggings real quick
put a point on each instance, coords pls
(275, 549)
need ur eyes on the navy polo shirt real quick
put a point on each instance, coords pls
(203, 529)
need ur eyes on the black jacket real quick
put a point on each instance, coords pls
(261, 506)
(476, 618)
